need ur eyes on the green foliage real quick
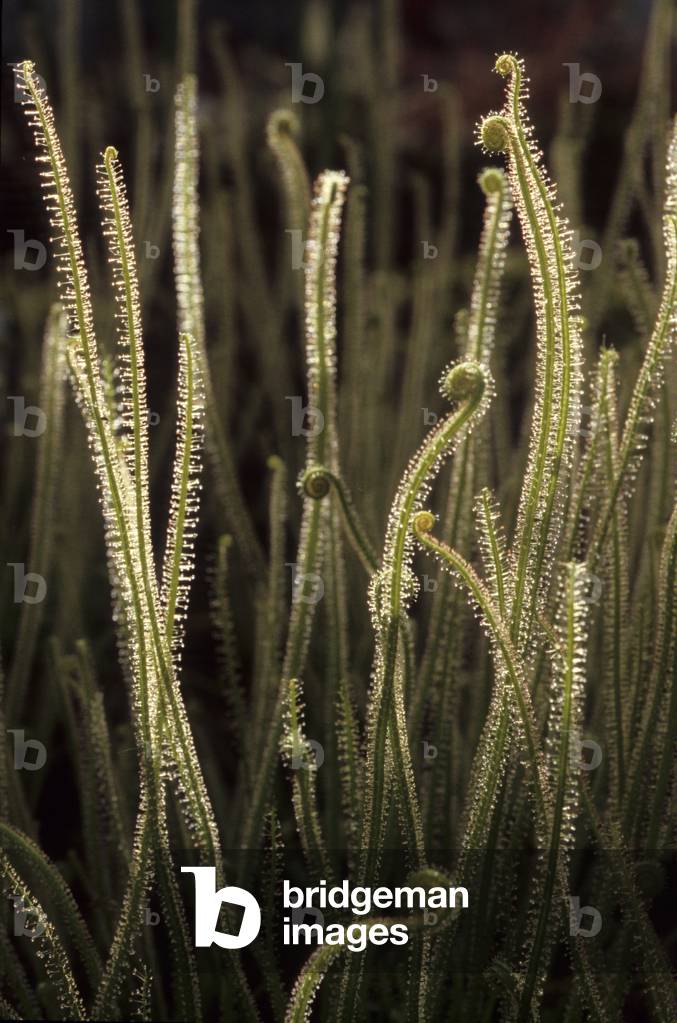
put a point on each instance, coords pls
(552, 629)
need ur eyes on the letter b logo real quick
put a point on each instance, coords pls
(208, 906)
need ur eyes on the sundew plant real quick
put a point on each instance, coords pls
(326, 562)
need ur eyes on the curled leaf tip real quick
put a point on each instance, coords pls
(506, 64)
(315, 483)
(423, 522)
(494, 133)
(463, 381)
(491, 180)
(283, 122)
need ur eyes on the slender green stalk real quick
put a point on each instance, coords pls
(280, 133)
(54, 957)
(659, 693)
(320, 356)
(337, 670)
(190, 301)
(272, 616)
(478, 346)
(353, 295)
(559, 347)
(224, 627)
(178, 567)
(391, 591)
(300, 757)
(45, 490)
(667, 724)
(569, 660)
(616, 604)
(316, 481)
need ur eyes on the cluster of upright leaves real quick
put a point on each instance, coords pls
(442, 657)
(320, 331)
(558, 325)
(152, 613)
(526, 710)
(391, 592)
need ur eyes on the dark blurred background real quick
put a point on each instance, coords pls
(447, 41)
